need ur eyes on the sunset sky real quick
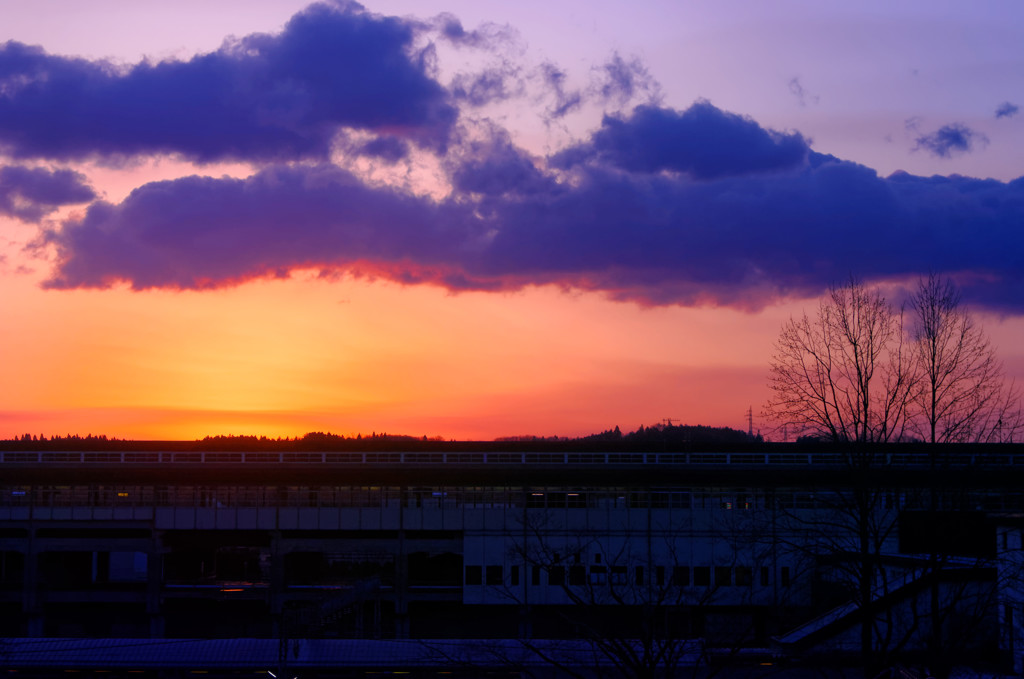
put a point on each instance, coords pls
(479, 219)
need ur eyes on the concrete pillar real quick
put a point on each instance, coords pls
(154, 587)
(31, 607)
(401, 575)
(277, 588)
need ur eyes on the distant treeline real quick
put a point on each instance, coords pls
(310, 441)
(660, 433)
(684, 433)
(680, 436)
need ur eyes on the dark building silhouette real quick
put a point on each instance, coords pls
(342, 562)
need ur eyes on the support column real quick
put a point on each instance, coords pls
(277, 588)
(154, 587)
(401, 575)
(30, 605)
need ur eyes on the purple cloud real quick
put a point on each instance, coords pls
(388, 149)
(495, 167)
(487, 36)
(796, 88)
(29, 194)
(264, 97)
(1007, 110)
(747, 240)
(763, 219)
(451, 29)
(951, 140)
(202, 232)
(490, 85)
(566, 101)
(621, 80)
(702, 141)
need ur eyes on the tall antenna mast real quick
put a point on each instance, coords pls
(750, 421)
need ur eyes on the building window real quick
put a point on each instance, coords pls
(556, 576)
(618, 575)
(514, 575)
(785, 576)
(535, 575)
(723, 576)
(681, 576)
(577, 575)
(598, 575)
(765, 575)
(494, 575)
(702, 576)
(474, 575)
(744, 576)
(639, 575)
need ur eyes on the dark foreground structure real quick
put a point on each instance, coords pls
(516, 562)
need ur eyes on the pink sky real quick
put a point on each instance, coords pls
(559, 327)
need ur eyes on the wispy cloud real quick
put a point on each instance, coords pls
(493, 84)
(622, 80)
(567, 99)
(1007, 110)
(951, 140)
(797, 89)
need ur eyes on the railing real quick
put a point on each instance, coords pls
(773, 459)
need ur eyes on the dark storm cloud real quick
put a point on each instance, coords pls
(1007, 110)
(641, 214)
(263, 97)
(29, 194)
(951, 140)
(702, 141)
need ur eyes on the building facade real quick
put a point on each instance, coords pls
(739, 550)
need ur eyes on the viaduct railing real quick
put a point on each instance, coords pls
(914, 459)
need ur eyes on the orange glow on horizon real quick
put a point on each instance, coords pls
(282, 358)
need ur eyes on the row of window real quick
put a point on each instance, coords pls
(455, 497)
(579, 575)
(921, 459)
(377, 496)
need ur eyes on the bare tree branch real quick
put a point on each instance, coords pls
(963, 396)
